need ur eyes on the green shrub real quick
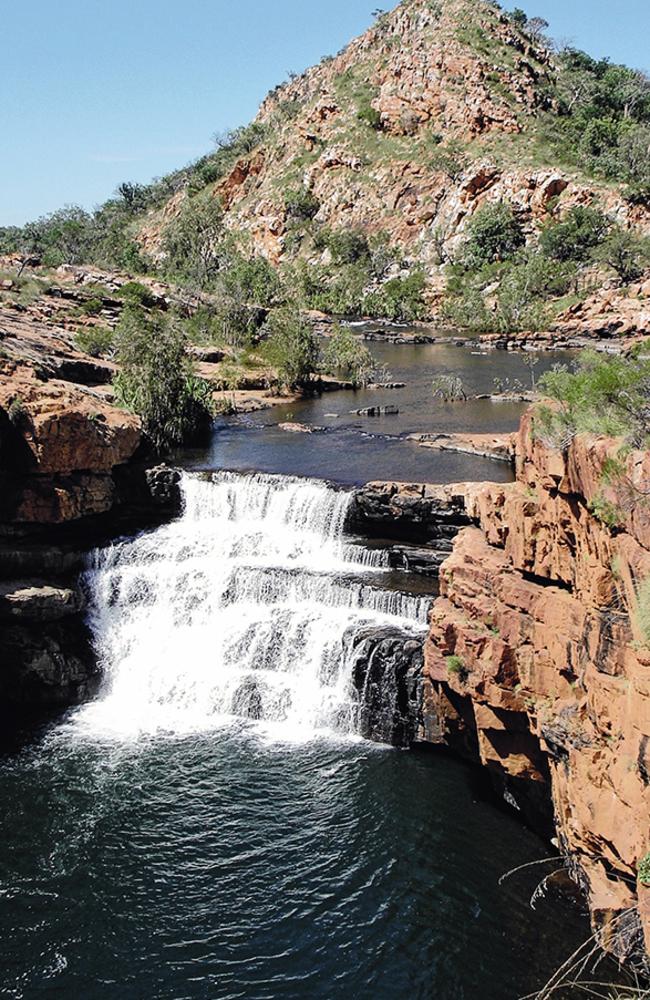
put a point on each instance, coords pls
(253, 280)
(494, 233)
(449, 158)
(643, 869)
(606, 511)
(347, 246)
(339, 289)
(346, 356)
(383, 255)
(626, 252)
(157, 380)
(464, 307)
(604, 111)
(369, 116)
(16, 411)
(135, 294)
(449, 387)
(192, 243)
(604, 395)
(527, 284)
(456, 667)
(399, 299)
(292, 348)
(91, 307)
(301, 205)
(95, 340)
(576, 236)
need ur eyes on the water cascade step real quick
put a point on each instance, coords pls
(245, 606)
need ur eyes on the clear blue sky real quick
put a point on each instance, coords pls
(99, 91)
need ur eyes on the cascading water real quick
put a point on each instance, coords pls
(244, 606)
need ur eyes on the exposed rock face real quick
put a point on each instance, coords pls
(535, 662)
(410, 511)
(609, 312)
(69, 480)
(459, 70)
(50, 666)
(387, 673)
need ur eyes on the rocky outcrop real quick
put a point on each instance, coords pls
(73, 473)
(537, 663)
(386, 667)
(52, 666)
(537, 660)
(496, 446)
(610, 312)
(410, 511)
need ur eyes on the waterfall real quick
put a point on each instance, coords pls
(244, 606)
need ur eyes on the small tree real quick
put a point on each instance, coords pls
(399, 299)
(157, 379)
(531, 361)
(536, 26)
(292, 348)
(192, 242)
(576, 237)
(301, 205)
(449, 387)
(450, 159)
(627, 253)
(132, 196)
(346, 355)
(495, 233)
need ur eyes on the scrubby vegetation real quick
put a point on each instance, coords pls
(499, 284)
(603, 119)
(456, 667)
(603, 395)
(345, 356)
(95, 340)
(292, 348)
(157, 379)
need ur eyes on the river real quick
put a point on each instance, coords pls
(211, 825)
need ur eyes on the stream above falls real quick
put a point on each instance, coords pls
(353, 449)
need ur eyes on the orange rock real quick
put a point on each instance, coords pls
(550, 686)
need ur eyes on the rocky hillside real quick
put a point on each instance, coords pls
(434, 111)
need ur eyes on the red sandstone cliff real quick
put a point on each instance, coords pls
(536, 662)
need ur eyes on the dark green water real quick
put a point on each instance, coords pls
(223, 866)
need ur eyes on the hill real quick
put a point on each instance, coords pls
(417, 174)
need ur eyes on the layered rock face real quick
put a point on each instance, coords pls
(72, 474)
(537, 664)
(387, 672)
(428, 73)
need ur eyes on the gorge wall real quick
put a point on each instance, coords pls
(73, 473)
(537, 665)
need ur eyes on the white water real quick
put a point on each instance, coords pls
(243, 607)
